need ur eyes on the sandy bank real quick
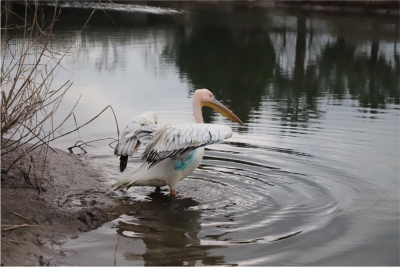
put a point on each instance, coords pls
(74, 199)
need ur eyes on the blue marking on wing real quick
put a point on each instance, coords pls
(182, 164)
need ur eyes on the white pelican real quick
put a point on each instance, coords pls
(173, 151)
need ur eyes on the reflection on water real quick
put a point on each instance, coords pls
(310, 179)
(166, 227)
(169, 231)
(251, 57)
(256, 69)
(246, 58)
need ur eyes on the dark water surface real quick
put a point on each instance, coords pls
(312, 178)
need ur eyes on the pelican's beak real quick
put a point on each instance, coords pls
(215, 104)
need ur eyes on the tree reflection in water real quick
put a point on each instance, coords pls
(236, 62)
(253, 58)
(244, 67)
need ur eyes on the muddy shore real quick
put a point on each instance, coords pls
(74, 199)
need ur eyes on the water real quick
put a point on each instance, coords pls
(312, 176)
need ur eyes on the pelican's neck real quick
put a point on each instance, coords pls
(198, 115)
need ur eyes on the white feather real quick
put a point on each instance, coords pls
(171, 140)
(138, 130)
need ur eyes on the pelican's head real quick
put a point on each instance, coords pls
(206, 98)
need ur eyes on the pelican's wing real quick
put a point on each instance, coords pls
(139, 130)
(171, 140)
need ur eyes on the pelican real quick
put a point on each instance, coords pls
(173, 151)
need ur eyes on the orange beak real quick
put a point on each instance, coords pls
(216, 105)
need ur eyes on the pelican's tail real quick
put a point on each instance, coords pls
(123, 162)
(123, 184)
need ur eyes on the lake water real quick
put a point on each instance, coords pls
(312, 178)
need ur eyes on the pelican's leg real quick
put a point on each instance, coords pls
(172, 187)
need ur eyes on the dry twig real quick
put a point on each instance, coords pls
(14, 241)
(28, 99)
(19, 215)
(17, 227)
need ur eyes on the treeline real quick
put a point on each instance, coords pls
(368, 4)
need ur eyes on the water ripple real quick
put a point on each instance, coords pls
(238, 202)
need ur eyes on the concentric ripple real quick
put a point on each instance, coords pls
(232, 201)
(256, 201)
(246, 202)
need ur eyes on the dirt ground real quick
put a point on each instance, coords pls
(74, 199)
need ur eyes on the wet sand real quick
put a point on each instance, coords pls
(75, 199)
